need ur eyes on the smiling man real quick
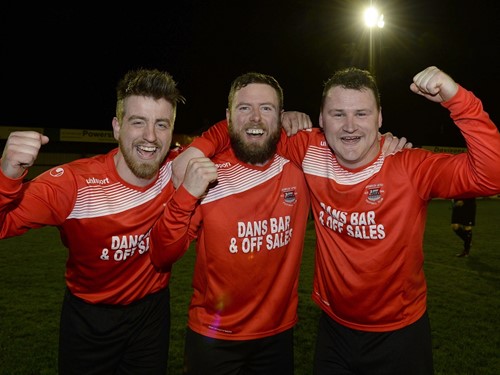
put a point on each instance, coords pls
(115, 316)
(370, 213)
(249, 230)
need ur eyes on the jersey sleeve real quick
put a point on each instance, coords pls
(171, 234)
(34, 204)
(473, 173)
(214, 140)
(10, 189)
(482, 138)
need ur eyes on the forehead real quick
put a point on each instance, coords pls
(256, 93)
(340, 97)
(146, 106)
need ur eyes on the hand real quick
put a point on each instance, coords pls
(180, 163)
(293, 122)
(200, 172)
(394, 144)
(434, 84)
(21, 151)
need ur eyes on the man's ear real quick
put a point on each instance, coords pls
(380, 118)
(116, 128)
(321, 120)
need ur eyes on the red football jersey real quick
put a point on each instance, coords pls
(103, 221)
(249, 232)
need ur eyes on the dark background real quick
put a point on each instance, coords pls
(60, 64)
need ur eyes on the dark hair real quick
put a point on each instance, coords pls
(253, 77)
(150, 83)
(352, 78)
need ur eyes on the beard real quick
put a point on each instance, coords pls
(144, 170)
(254, 153)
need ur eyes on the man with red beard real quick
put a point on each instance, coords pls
(250, 228)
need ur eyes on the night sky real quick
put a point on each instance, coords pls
(60, 65)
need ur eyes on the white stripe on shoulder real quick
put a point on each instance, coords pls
(102, 200)
(239, 178)
(319, 161)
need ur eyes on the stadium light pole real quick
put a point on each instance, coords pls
(373, 19)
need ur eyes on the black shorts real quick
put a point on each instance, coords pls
(271, 355)
(115, 339)
(341, 350)
(464, 214)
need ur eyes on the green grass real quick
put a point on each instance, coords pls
(464, 299)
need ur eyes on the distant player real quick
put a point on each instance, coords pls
(463, 218)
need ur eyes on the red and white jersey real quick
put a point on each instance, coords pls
(103, 221)
(250, 231)
(370, 221)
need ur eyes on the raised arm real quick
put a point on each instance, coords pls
(476, 172)
(174, 230)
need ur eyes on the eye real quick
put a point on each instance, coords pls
(137, 122)
(243, 108)
(163, 125)
(267, 108)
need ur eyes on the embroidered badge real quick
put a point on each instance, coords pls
(374, 194)
(289, 195)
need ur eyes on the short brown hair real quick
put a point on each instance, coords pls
(150, 83)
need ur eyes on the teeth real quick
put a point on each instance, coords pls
(255, 131)
(148, 149)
